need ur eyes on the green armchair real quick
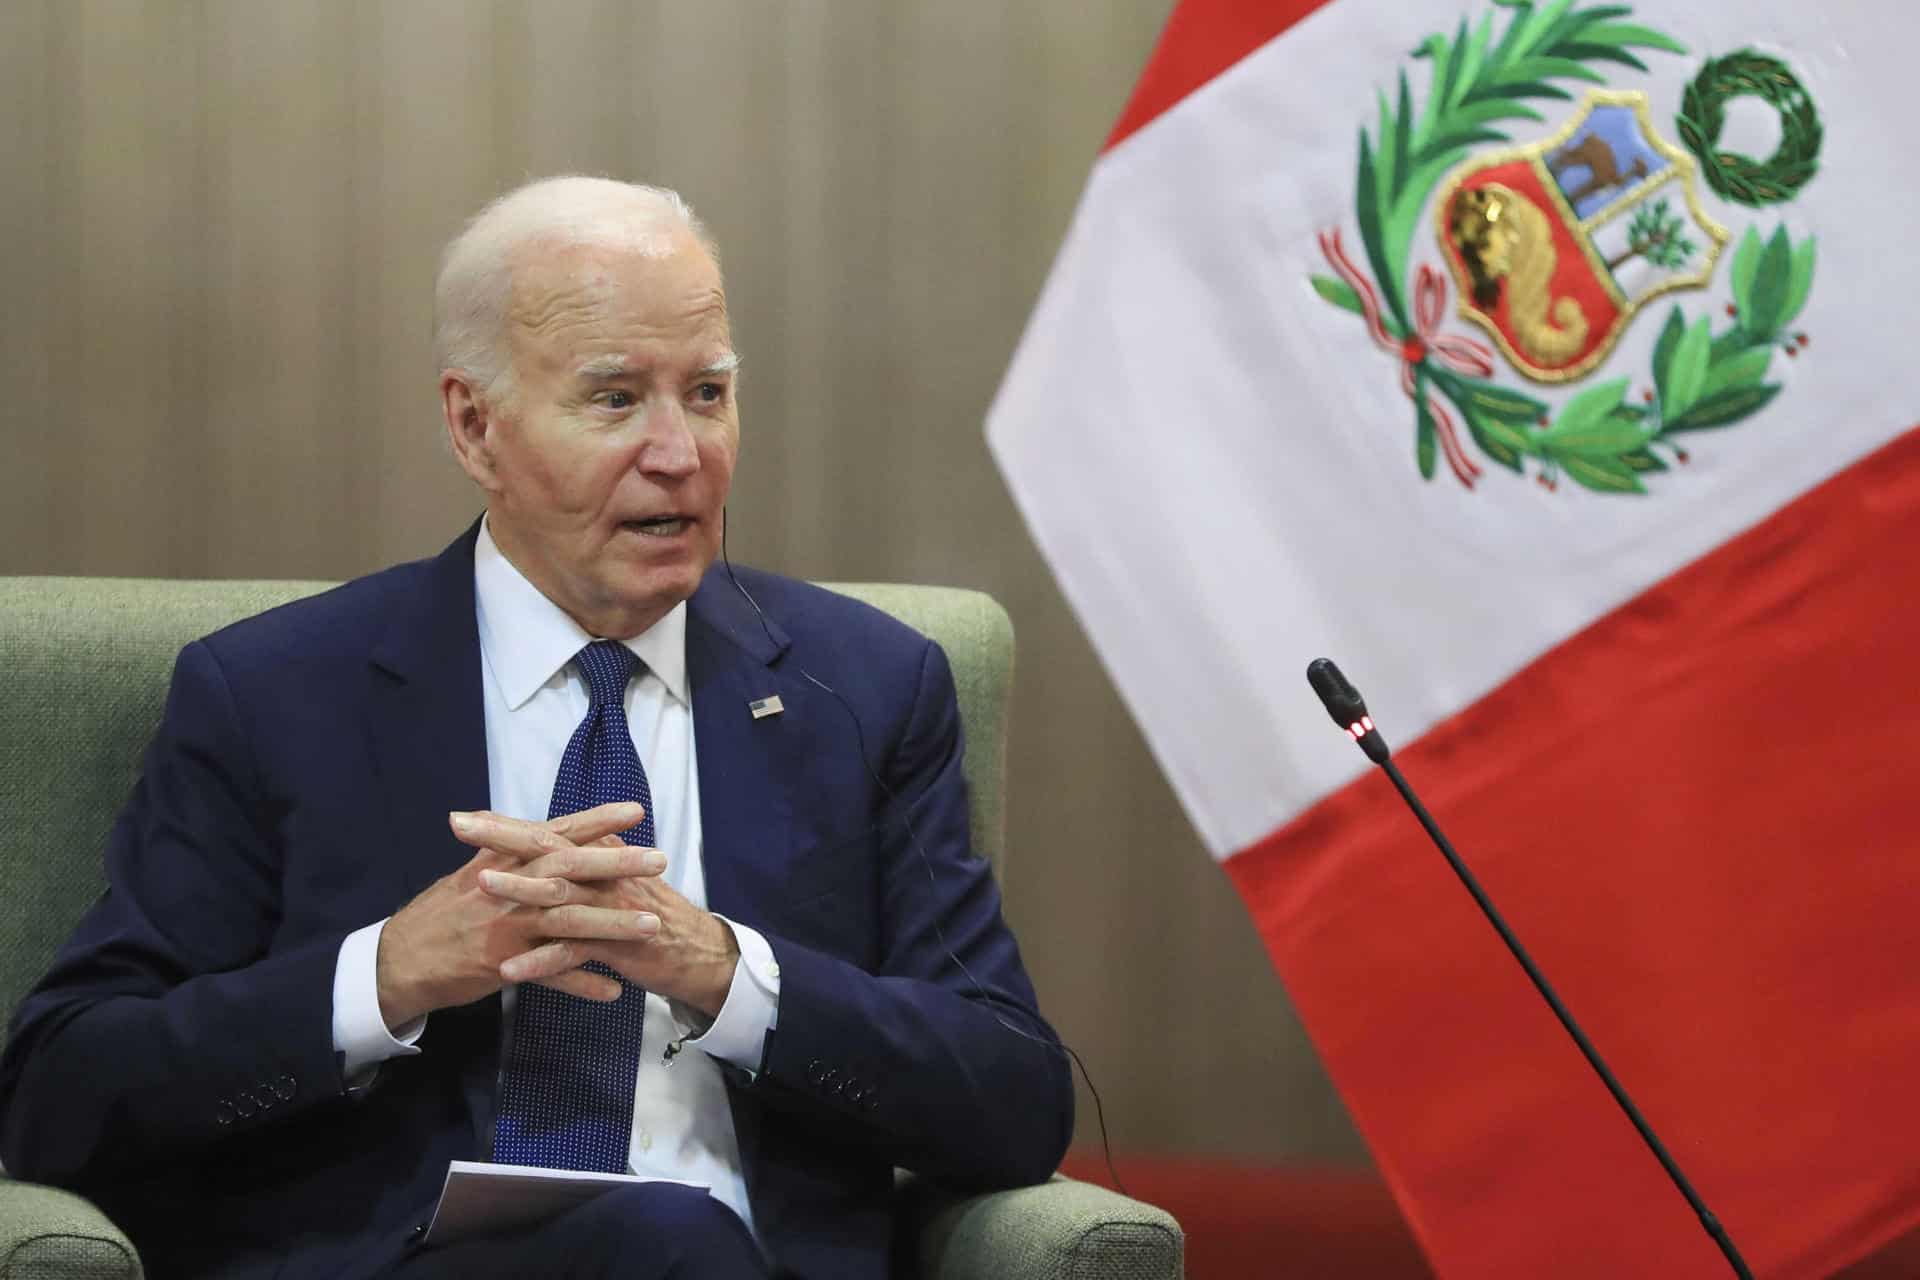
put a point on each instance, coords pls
(107, 646)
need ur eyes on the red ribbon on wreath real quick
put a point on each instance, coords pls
(1462, 355)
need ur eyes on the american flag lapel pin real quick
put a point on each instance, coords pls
(764, 707)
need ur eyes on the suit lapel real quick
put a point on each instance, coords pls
(743, 804)
(426, 719)
(745, 815)
(426, 722)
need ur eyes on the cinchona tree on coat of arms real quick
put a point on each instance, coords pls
(1554, 246)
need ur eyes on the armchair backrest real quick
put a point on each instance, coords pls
(84, 665)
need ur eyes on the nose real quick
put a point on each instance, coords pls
(667, 446)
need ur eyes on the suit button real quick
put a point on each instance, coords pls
(223, 1114)
(816, 1072)
(244, 1105)
(283, 1088)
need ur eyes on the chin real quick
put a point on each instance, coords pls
(656, 595)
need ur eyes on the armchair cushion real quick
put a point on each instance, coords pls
(1060, 1230)
(55, 1235)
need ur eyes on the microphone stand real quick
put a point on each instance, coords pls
(1591, 1054)
(1349, 711)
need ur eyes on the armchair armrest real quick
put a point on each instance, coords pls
(1060, 1230)
(45, 1232)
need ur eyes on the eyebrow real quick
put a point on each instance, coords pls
(607, 368)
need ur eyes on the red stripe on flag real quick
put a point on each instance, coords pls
(1202, 38)
(1699, 816)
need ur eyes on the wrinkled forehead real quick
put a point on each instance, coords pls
(568, 292)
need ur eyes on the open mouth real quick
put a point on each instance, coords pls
(657, 526)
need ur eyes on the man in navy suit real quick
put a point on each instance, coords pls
(362, 845)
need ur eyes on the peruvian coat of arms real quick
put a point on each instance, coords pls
(1555, 244)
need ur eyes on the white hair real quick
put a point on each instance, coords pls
(475, 287)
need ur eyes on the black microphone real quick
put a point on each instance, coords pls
(1349, 711)
(1347, 707)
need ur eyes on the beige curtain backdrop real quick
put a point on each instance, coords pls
(219, 224)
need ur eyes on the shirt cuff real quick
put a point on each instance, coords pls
(738, 1033)
(360, 1034)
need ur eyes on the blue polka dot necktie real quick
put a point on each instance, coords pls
(567, 1085)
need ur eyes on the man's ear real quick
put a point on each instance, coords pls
(472, 421)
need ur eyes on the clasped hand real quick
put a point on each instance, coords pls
(537, 901)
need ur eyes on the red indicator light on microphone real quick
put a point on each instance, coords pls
(1355, 731)
(1366, 722)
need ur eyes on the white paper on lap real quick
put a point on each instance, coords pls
(480, 1198)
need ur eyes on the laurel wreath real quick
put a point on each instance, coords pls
(1739, 178)
(1602, 438)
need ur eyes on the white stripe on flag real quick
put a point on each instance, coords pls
(1219, 465)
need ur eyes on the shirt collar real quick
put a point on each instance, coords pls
(527, 637)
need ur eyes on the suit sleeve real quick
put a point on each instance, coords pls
(169, 1023)
(938, 1057)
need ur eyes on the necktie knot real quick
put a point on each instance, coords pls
(607, 665)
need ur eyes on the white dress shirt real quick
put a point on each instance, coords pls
(534, 699)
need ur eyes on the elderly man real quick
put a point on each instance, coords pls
(563, 848)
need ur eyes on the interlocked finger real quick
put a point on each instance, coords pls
(516, 837)
(531, 891)
(598, 862)
(598, 924)
(601, 822)
(526, 840)
(548, 962)
(580, 879)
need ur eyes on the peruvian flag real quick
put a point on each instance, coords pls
(1548, 366)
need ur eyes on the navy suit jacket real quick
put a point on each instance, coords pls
(177, 1063)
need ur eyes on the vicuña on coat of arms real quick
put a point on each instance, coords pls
(1554, 246)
